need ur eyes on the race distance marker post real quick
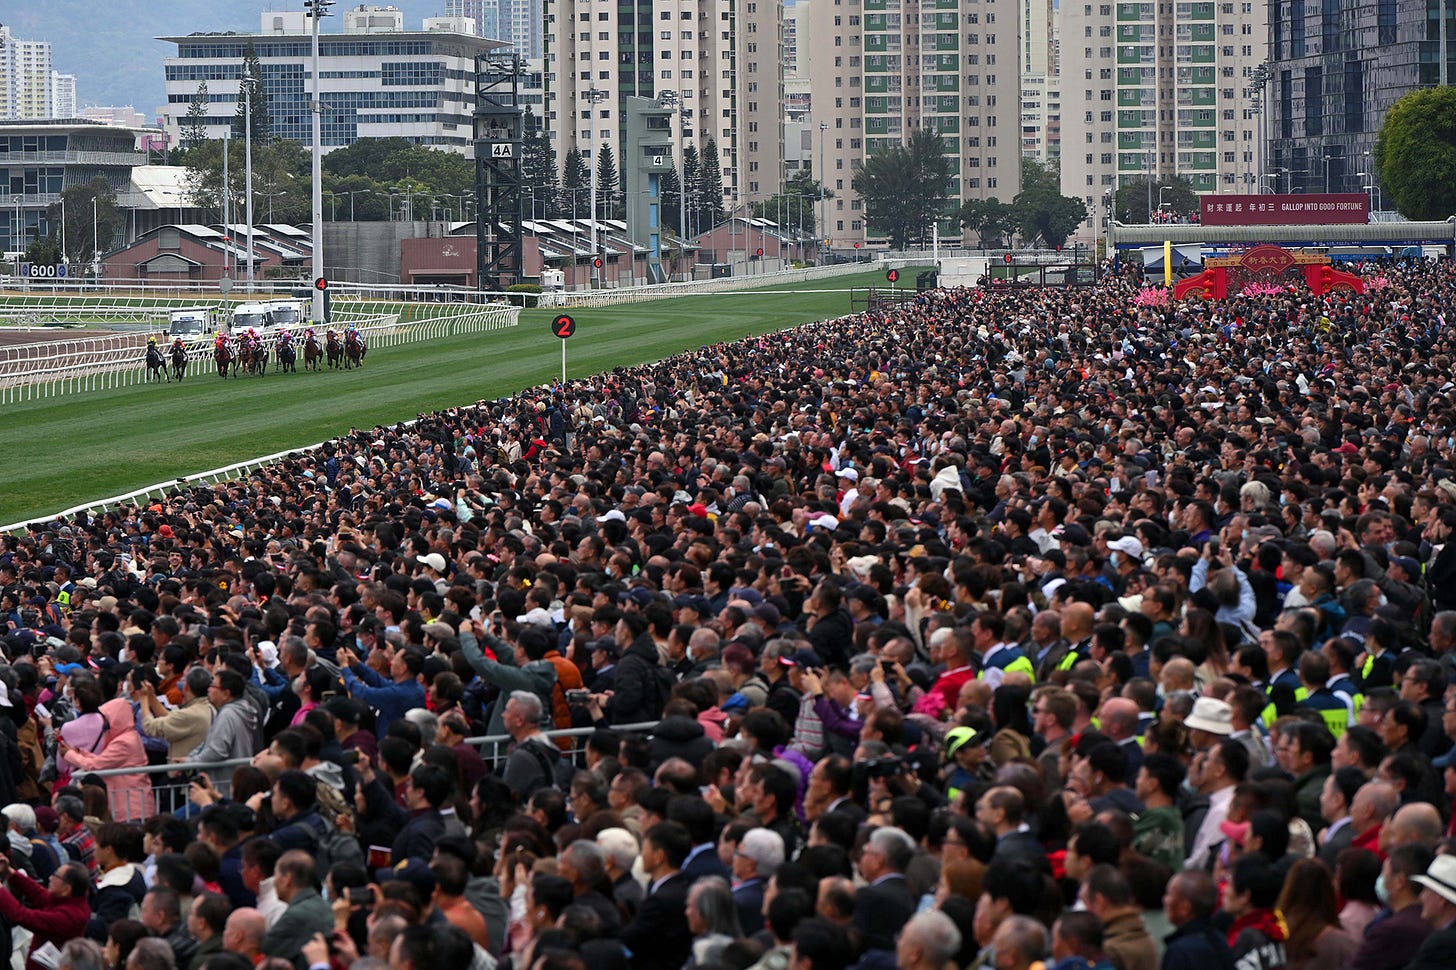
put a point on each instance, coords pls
(563, 326)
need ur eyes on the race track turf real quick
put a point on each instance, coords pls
(66, 451)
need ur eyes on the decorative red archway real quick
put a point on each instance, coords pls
(1271, 264)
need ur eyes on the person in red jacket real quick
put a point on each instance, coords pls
(54, 913)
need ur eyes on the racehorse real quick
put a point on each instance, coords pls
(155, 371)
(287, 354)
(335, 350)
(254, 356)
(354, 350)
(222, 353)
(312, 352)
(179, 362)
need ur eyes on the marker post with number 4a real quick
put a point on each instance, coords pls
(563, 327)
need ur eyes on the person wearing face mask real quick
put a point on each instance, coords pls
(1398, 931)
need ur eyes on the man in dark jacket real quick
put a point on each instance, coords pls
(1394, 936)
(296, 880)
(637, 694)
(659, 938)
(429, 786)
(830, 629)
(1189, 902)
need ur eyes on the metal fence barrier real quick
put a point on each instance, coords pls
(170, 782)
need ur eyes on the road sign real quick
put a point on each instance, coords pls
(563, 326)
(759, 253)
(225, 285)
(597, 262)
(321, 283)
(893, 275)
(1007, 257)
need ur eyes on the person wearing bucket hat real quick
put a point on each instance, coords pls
(1211, 716)
(1438, 909)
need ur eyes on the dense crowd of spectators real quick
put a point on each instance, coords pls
(993, 630)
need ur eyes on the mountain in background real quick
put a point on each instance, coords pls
(111, 49)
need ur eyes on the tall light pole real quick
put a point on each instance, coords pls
(95, 239)
(227, 209)
(317, 9)
(248, 165)
(823, 181)
(594, 95)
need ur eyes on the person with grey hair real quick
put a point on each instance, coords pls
(885, 904)
(151, 953)
(533, 760)
(33, 856)
(760, 853)
(928, 942)
(584, 864)
(184, 728)
(713, 920)
(426, 721)
(1020, 942)
(619, 851)
(81, 955)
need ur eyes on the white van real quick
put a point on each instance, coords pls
(191, 323)
(258, 316)
(292, 314)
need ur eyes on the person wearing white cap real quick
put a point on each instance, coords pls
(434, 570)
(1438, 908)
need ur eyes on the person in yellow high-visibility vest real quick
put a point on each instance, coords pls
(1314, 674)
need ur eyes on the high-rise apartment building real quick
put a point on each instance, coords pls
(378, 80)
(63, 95)
(29, 88)
(798, 42)
(1152, 87)
(1334, 72)
(1041, 107)
(880, 69)
(723, 58)
(517, 22)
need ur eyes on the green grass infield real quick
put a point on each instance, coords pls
(66, 451)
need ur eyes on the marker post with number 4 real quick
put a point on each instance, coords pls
(563, 326)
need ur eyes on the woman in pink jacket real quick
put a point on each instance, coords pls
(121, 747)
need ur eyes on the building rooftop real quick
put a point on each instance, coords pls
(482, 45)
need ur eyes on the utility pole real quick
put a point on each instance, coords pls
(248, 165)
(227, 229)
(823, 182)
(593, 96)
(317, 9)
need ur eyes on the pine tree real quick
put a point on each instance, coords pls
(538, 171)
(575, 182)
(710, 187)
(690, 164)
(670, 189)
(252, 80)
(607, 183)
(194, 126)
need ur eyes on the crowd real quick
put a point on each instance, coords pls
(994, 630)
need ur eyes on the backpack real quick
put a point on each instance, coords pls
(551, 768)
(332, 847)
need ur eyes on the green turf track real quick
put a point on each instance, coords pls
(66, 451)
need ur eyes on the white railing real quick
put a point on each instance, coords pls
(47, 369)
(662, 291)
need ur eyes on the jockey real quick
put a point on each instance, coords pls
(221, 340)
(151, 342)
(177, 342)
